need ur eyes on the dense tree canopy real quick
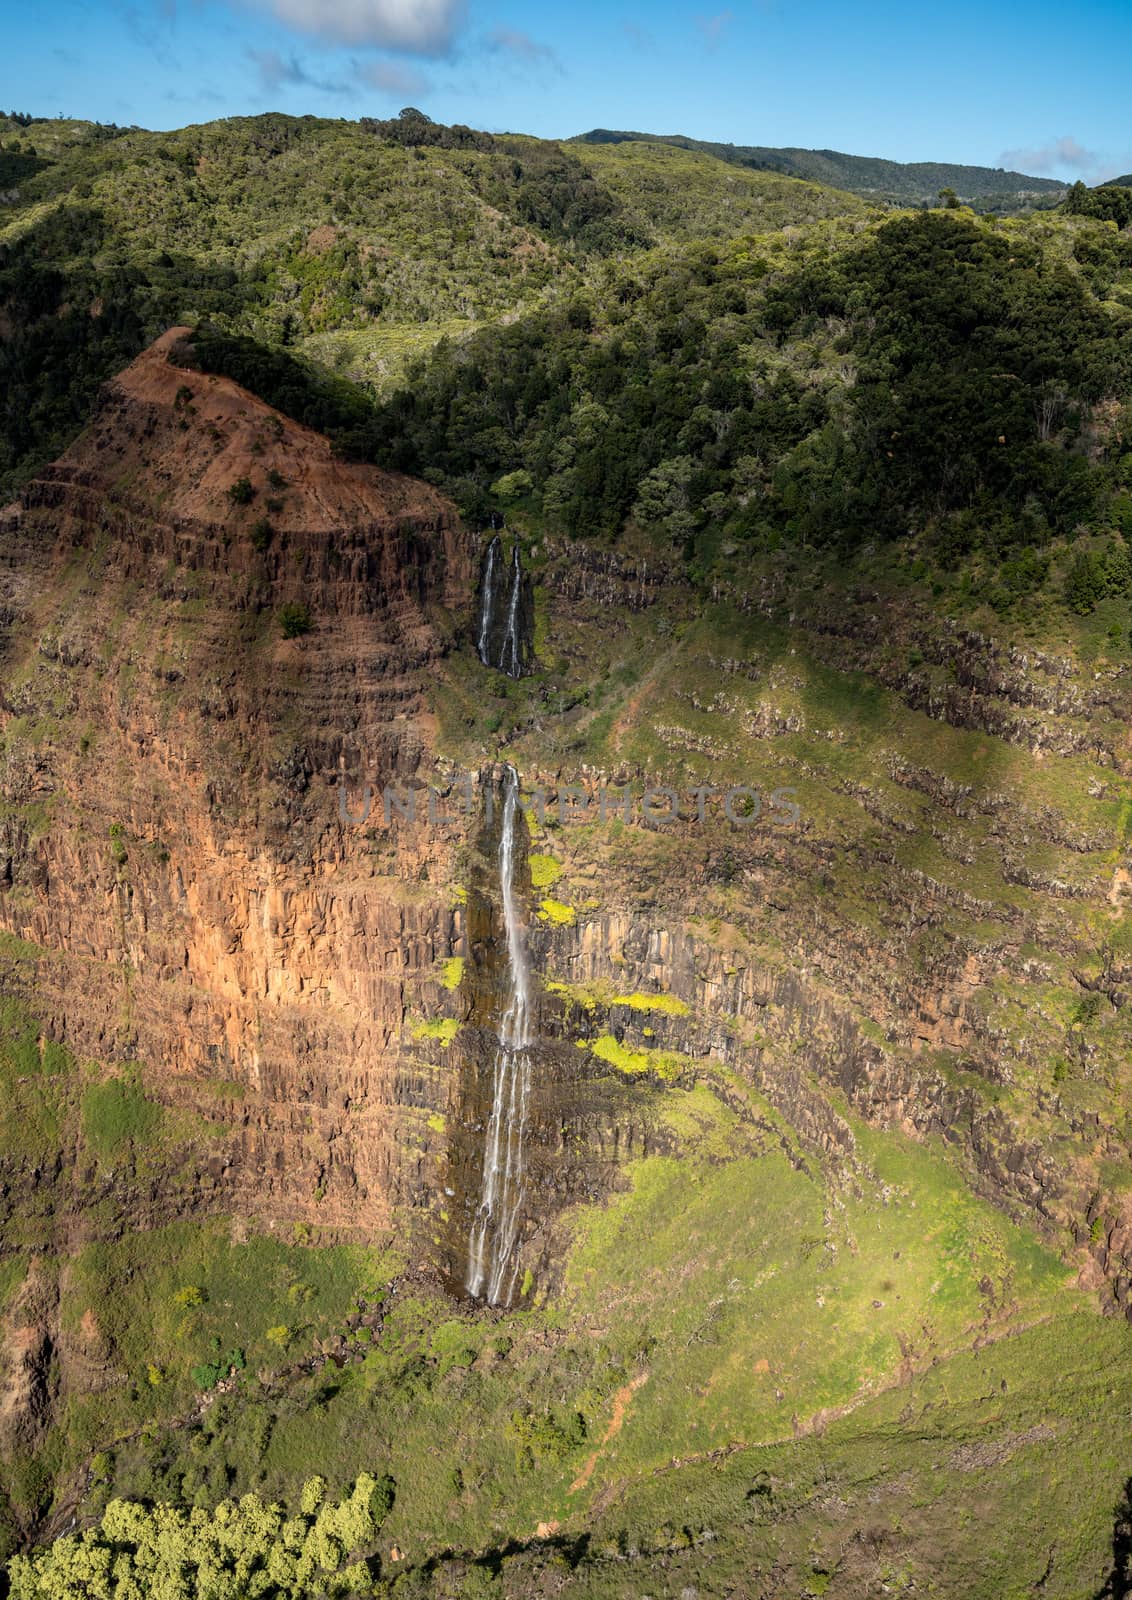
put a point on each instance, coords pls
(936, 377)
(240, 1548)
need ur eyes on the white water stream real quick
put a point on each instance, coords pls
(487, 601)
(492, 1267)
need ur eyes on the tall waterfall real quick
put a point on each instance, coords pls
(487, 600)
(492, 1268)
(511, 657)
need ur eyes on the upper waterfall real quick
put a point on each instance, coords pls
(503, 631)
(511, 657)
(487, 599)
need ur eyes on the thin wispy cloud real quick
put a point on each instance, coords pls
(1067, 156)
(417, 27)
(277, 71)
(202, 97)
(640, 38)
(152, 35)
(514, 42)
(713, 28)
(390, 77)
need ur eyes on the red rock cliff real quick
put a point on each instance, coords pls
(170, 838)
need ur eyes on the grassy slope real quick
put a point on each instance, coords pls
(683, 195)
(725, 1302)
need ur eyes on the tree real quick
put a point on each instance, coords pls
(244, 1547)
(663, 500)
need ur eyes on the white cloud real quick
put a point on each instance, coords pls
(419, 27)
(1067, 158)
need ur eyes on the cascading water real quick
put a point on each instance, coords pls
(502, 630)
(487, 601)
(511, 659)
(492, 1266)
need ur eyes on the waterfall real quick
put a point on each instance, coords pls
(491, 1267)
(487, 600)
(509, 652)
(511, 657)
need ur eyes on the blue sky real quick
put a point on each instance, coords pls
(1034, 85)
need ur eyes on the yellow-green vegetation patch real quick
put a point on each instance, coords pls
(556, 912)
(12, 1274)
(116, 1113)
(671, 1005)
(589, 996)
(34, 1076)
(580, 994)
(14, 948)
(453, 972)
(443, 1028)
(437, 1122)
(545, 870)
(161, 1549)
(666, 1064)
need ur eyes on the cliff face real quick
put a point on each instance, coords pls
(939, 945)
(215, 635)
(170, 837)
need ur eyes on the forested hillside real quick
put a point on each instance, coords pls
(349, 241)
(988, 189)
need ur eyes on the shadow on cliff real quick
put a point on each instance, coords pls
(1119, 1584)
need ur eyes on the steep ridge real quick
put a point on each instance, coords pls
(171, 841)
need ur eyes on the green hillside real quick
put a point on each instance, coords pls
(895, 182)
(361, 243)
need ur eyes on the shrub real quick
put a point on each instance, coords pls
(210, 1373)
(1088, 1009)
(547, 1435)
(242, 492)
(513, 485)
(294, 619)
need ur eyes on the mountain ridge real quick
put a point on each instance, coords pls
(872, 177)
